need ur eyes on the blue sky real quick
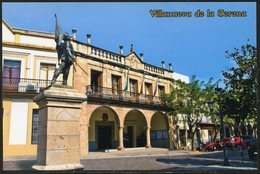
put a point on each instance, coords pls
(195, 46)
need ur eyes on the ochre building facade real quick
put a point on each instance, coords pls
(124, 108)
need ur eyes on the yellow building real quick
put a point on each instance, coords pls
(29, 60)
(123, 109)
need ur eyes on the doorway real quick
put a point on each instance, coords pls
(104, 137)
(129, 137)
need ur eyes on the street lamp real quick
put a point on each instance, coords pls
(220, 114)
(210, 104)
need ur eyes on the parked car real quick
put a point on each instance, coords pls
(237, 142)
(211, 146)
(252, 149)
(245, 139)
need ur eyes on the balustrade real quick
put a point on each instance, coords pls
(121, 95)
(25, 85)
(105, 54)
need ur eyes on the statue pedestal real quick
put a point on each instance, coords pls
(59, 129)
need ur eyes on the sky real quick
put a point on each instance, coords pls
(194, 45)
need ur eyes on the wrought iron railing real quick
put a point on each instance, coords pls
(121, 95)
(25, 85)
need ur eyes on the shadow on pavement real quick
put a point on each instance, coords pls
(189, 161)
(19, 165)
(207, 159)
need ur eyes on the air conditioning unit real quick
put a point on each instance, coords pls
(31, 88)
(22, 87)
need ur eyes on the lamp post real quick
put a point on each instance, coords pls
(220, 114)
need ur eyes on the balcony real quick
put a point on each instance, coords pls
(120, 96)
(24, 85)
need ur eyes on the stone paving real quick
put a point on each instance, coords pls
(153, 159)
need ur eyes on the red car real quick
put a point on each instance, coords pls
(211, 146)
(237, 142)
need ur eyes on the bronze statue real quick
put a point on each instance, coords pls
(65, 58)
(65, 54)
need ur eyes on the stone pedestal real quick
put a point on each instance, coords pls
(59, 129)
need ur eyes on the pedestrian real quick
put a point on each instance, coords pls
(232, 142)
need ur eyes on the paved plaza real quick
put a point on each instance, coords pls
(154, 159)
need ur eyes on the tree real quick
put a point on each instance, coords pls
(240, 81)
(191, 100)
(258, 107)
(210, 95)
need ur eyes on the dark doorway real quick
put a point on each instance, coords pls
(129, 142)
(182, 137)
(104, 137)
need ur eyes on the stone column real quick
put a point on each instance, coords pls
(121, 138)
(148, 137)
(59, 129)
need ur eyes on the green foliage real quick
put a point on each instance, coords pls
(191, 100)
(240, 82)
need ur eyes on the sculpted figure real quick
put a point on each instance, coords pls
(65, 54)
(65, 58)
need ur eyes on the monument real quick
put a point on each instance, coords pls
(59, 116)
(65, 54)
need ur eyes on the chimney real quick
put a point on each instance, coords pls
(132, 48)
(121, 49)
(163, 67)
(88, 38)
(141, 56)
(170, 67)
(74, 31)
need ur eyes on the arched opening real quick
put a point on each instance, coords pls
(135, 126)
(103, 129)
(159, 130)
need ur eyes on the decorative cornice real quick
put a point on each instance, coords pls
(23, 45)
(33, 33)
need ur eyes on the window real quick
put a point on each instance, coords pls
(35, 118)
(116, 84)
(47, 71)
(161, 90)
(96, 81)
(148, 89)
(133, 86)
(12, 70)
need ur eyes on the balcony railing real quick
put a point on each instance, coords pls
(124, 96)
(25, 85)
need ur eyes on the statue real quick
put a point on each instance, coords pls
(65, 54)
(65, 58)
